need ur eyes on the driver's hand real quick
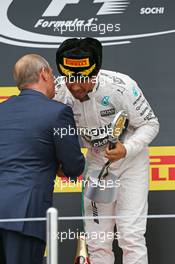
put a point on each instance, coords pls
(117, 153)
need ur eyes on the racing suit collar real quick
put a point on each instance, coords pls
(91, 93)
(95, 88)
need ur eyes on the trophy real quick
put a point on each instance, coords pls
(82, 254)
(101, 187)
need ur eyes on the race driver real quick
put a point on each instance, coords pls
(95, 96)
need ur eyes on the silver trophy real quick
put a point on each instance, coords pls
(102, 187)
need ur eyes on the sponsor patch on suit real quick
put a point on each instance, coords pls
(107, 112)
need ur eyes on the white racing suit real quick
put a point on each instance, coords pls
(114, 92)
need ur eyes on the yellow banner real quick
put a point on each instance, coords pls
(6, 92)
(162, 172)
(162, 162)
(162, 168)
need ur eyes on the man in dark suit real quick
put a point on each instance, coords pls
(31, 150)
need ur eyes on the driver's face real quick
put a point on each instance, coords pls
(80, 88)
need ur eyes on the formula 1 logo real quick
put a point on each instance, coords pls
(113, 22)
(108, 7)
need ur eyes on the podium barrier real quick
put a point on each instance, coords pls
(52, 219)
(52, 241)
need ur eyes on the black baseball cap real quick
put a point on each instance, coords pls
(79, 57)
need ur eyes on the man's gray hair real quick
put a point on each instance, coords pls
(26, 70)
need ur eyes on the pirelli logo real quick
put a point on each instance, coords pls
(162, 162)
(76, 62)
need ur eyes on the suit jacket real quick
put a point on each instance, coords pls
(31, 148)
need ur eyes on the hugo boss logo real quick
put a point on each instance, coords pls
(107, 112)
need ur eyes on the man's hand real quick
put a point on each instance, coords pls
(117, 153)
(60, 173)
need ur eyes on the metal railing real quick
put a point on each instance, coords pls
(52, 219)
(52, 241)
